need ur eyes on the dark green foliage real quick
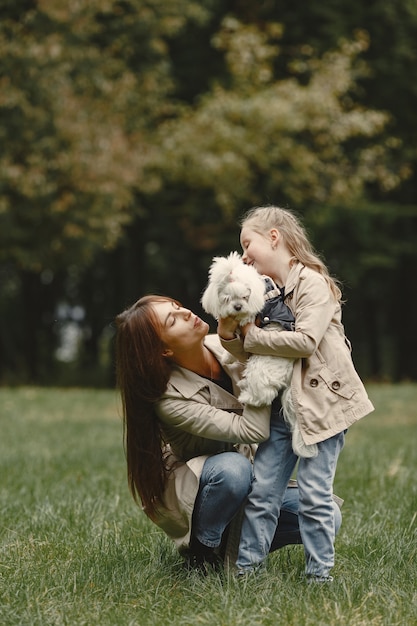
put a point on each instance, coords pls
(134, 135)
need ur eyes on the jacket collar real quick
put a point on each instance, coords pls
(189, 383)
(293, 277)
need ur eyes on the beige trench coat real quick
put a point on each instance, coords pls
(200, 418)
(327, 392)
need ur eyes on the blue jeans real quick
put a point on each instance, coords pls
(288, 529)
(274, 465)
(225, 483)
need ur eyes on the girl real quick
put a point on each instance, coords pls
(328, 394)
(183, 427)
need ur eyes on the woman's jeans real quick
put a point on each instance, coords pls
(318, 516)
(225, 483)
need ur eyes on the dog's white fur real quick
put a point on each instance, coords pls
(237, 290)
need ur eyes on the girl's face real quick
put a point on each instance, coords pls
(180, 328)
(259, 250)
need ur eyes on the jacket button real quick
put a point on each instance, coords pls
(335, 385)
(314, 382)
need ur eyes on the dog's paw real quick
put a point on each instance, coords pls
(258, 397)
(269, 394)
(245, 397)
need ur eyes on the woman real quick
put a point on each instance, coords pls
(183, 428)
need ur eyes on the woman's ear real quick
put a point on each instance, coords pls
(168, 353)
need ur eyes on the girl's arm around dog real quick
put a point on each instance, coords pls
(315, 311)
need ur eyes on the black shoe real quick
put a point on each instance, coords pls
(203, 558)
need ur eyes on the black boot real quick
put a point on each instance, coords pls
(203, 558)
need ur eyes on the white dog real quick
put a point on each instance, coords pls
(237, 290)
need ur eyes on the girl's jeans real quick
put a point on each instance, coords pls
(225, 483)
(274, 464)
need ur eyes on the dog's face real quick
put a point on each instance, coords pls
(234, 289)
(235, 300)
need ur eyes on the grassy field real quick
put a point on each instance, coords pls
(75, 550)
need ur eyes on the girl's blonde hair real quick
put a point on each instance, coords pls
(262, 219)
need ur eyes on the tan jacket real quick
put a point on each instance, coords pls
(199, 418)
(327, 391)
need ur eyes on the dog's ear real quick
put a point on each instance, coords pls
(234, 258)
(220, 270)
(210, 300)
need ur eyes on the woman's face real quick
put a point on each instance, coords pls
(180, 328)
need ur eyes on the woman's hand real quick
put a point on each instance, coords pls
(244, 329)
(227, 327)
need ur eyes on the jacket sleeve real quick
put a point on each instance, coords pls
(198, 417)
(314, 307)
(235, 348)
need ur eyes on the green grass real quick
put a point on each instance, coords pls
(75, 550)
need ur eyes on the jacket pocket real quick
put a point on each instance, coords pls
(336, 384)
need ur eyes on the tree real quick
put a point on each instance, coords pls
(82, 87)
(259, 137)
(135, 134)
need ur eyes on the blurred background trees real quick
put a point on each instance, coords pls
(135, 134)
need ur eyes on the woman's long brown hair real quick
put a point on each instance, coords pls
(142, 376)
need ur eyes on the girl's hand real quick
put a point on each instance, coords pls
(227, 328)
